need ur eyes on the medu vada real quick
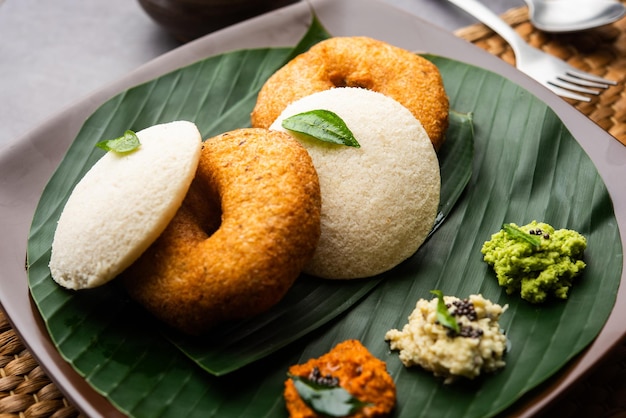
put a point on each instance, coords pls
(363, 62)
(248, 225)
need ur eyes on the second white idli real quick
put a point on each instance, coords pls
(379, 201)
(122, 205)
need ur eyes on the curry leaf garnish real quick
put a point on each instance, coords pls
(125, 143)
(517, 233)
(444, 316)
(323, 125)
(332, 401)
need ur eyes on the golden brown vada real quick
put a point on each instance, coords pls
(249, 223)
(363, 62)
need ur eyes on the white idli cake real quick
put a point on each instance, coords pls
(379, 201)
(123, 204)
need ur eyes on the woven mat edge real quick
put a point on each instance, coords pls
(600, 51)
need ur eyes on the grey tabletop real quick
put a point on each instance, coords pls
(54, 53)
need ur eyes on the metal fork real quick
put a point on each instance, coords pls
(557, 75)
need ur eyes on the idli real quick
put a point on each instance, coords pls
(379, 201)
(122, 205)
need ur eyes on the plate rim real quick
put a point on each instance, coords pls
(407, 31)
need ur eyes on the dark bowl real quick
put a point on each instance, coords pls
(189, 19)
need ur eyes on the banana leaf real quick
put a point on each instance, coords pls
(525, 166)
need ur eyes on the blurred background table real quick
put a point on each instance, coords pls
(54, 53)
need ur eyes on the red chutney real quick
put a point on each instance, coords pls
(360, 373)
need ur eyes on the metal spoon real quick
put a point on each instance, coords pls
(573, 15)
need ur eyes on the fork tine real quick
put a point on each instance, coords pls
(581, 82)
(590, 77)
(569, 94)
(551, 71)
(573, 87)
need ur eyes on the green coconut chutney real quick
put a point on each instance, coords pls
(536, 260)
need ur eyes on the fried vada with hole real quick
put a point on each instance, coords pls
(248, 225)
(362, 62)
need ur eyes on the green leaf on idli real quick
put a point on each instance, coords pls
(124, 144)
(322, 125)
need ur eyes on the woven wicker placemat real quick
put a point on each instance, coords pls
(600, 51)
(26, 391)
